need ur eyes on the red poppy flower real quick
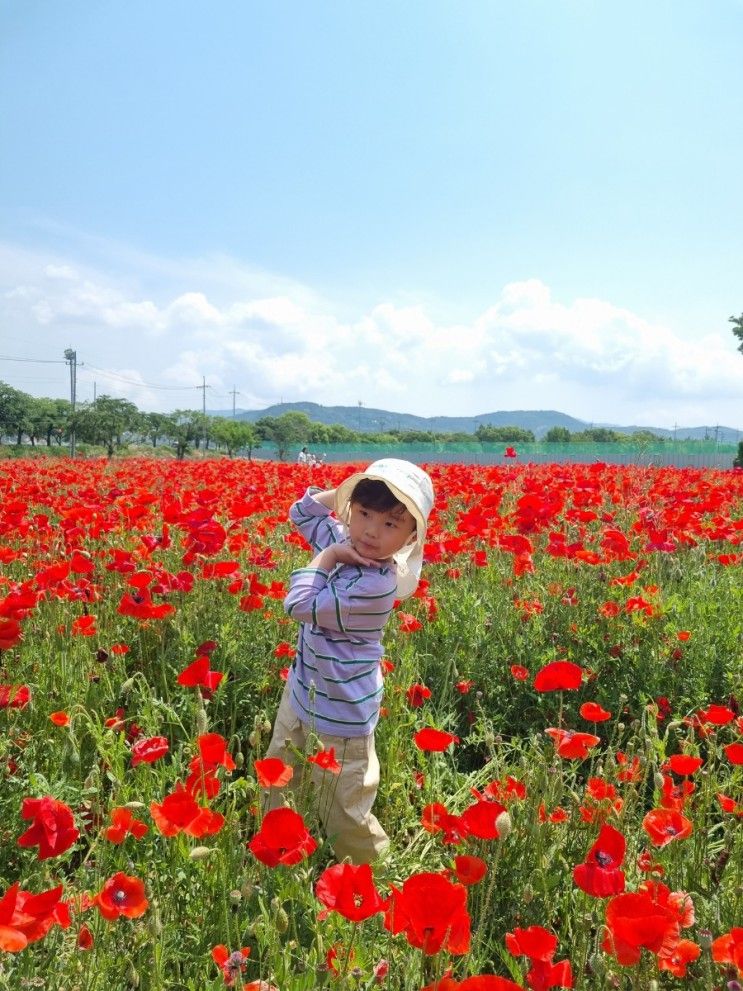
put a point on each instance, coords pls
(634, 921)
(431, 912)
(592, 712)
(213, 751)
(718, 715)
(179, 812)
(121, 895)
(535, 942)
(10, 633)
(199, 675)
(677, 956)
(683, 764)
(519, 672)
(409, 623)
(53, 828)
(26, 918)
(484, 982)
(282, 839)
(60, 718)
(481, 819)
(149, 750)
(232, 964)
(558, 676)
(572, 745)
(85, 940)
(436, 819)
(434, 740)
(469, 869)
(663, 826)
(600, 875)
(122, 825)
(350, 891)
(728, 948)
(272, 772)
(734, 753)
(14, 696)
(417, 695)
(325, 759)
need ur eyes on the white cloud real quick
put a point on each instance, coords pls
(273, 339)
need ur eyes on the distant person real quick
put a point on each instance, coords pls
(303, 458)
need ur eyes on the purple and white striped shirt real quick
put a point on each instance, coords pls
(336, 679)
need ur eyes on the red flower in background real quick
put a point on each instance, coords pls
(199, 675)
(121, 895)
(434, 740)
(663, 826)
(350, 891)
(53, 828)
(570, 744)
(282, 839)
(592, 712)
(734, 753)
(431, 912)
(728, 948)
(272, 772)
(26, 918)
(409, 623)
(558, 676)
(232, 964)
(417, 695)
(436, 819)
(14, 696)
(149, 750)
(600, 875)
(540, 946)
(325, 760)
(634, 921)
(179, 812)
(469, 870)
(683, 764)
(124, 824)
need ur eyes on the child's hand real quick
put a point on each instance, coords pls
(346, 553)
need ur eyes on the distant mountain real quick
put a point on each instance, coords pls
(370, 420)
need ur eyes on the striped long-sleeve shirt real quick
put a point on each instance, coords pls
(336, 679)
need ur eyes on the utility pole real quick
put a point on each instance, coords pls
(233, 394)
(71, 360)
(94, 391)
(361, 403)
(203, 388)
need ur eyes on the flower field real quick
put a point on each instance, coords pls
(561, 742)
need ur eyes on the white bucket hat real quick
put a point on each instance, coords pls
(414, 489)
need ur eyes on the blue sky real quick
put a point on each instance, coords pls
(430, 207)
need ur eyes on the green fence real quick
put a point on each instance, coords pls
(700, 454)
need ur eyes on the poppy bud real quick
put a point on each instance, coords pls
(527, 894)
(239, 759)
(247, 889)
(127, 686)
(254, 739)
(200, 852)
(503, 824)
(266, 727)
(154, 923)
(202, 722)
(236, 896)
(132, 976)
(705, 938)
(135, 805)
(92, 781)
(659, 780)
(281, 921)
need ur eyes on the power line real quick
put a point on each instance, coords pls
(146, 385)
(36, 361)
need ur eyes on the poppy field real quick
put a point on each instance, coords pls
(561, 741)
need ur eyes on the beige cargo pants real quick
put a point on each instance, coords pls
(345, 800)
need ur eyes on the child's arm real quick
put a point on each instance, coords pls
(325, 498)
(311, 516)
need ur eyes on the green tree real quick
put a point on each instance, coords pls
(234, 435)
(737, 323)
(182, 429)
(285, 430)
(558, 435)
(597, 435)
(105, 422)
(487, 434)
(154, 426)
(15, 409)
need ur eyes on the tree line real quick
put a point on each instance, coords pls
(112, 423)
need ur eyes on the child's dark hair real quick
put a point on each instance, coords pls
(373, 494)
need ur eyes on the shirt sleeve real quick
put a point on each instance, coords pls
(352, 600)
(315, 523)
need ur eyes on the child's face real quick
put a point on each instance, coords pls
(378, 535)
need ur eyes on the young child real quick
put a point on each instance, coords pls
(367, 557)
